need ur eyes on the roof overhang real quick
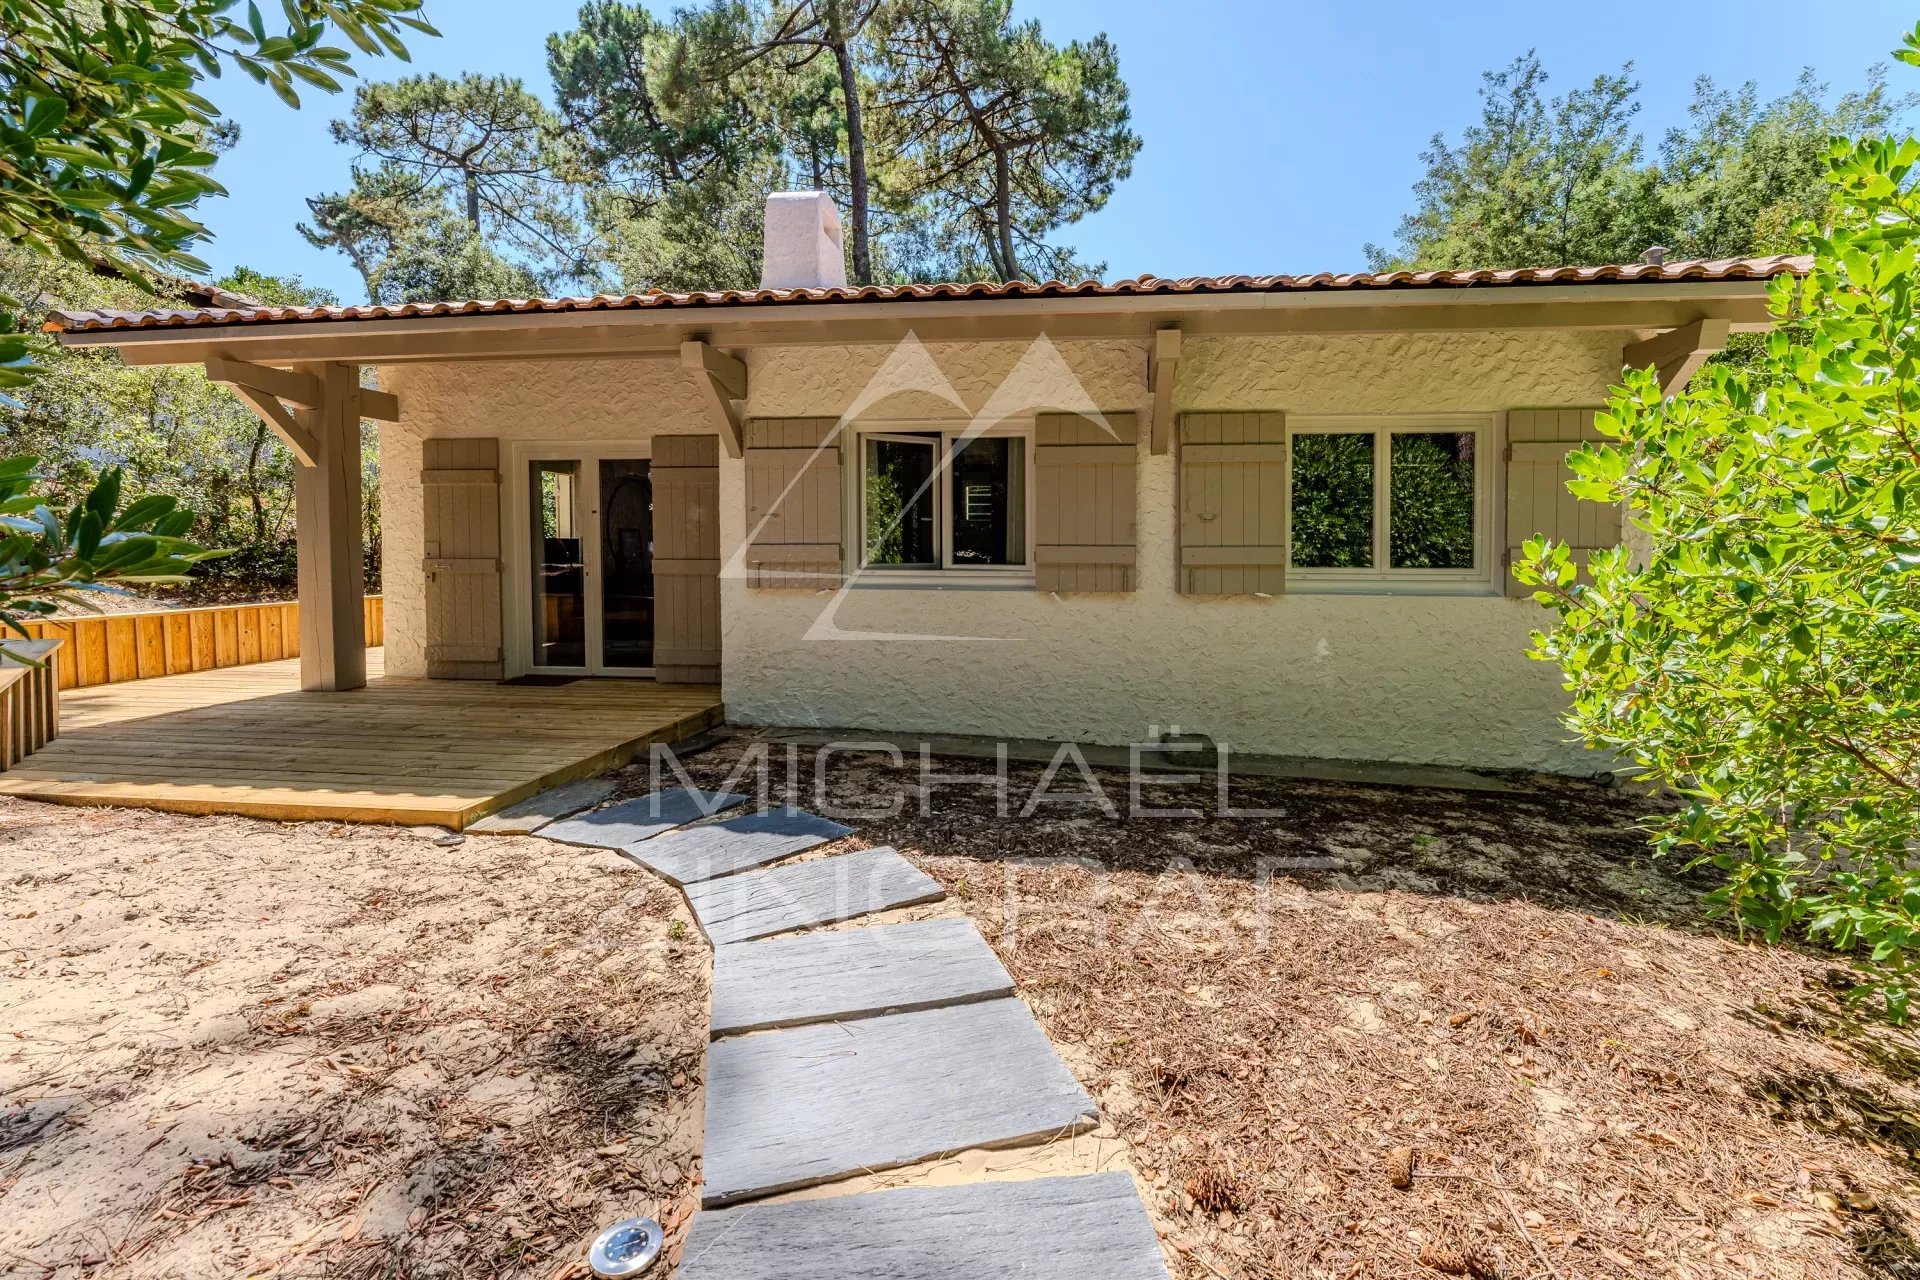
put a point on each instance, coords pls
(659, 332)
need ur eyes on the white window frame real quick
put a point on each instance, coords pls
(1382, 578)
(949, 432)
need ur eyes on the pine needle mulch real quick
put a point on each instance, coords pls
(1487, 1036)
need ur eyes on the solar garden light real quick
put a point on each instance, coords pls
(627, 1248)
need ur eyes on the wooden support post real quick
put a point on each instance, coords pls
(317, 410)
(1677, 353)
(721, 381)
(1163, 364)
(327, 515)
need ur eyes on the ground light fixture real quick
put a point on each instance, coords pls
(627, 1248)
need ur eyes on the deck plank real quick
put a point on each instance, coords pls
(247, 740)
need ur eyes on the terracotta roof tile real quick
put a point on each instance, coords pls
(1144, 286)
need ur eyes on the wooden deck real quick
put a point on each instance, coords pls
(246, 740)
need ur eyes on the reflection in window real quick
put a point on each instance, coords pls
(989, 502)
(1332, 496)
(1430, 509)
(900, 501)
(559, 567)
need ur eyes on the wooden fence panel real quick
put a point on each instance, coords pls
(110, 648)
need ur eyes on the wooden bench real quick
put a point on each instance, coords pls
(29, 699)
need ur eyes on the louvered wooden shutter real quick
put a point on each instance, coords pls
(686, 559)
(1084, 540)
(1538, 442)
(1233, 503)
(461, 484)
(794, 520)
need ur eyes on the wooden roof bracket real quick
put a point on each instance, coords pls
(273, 394)
(720, 380)
(1676, 354)
(1163, 365)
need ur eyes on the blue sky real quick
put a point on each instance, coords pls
(1281, 135)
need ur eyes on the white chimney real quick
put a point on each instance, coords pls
(802, 248)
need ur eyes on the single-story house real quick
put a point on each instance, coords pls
(1277, 510)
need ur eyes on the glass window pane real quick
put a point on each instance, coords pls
(626, 563)
(989, 502)
(899, 502)
(1332, 512)
(559, 571)
(1430, 516)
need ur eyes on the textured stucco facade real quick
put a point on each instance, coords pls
(1404, 677)
(1416, 678)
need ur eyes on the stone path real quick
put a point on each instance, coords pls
(852, 973)
(548, 807)
(842, 1052)
(732, 845)
(793, 1108)
(1086, 1228)
(763, 903)
(619, 826)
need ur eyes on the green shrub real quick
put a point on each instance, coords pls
(1764, 660)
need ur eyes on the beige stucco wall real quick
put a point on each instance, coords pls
(1432, 679)
(1438, 679)
(560, 400)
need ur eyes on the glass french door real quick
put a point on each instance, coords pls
(590, 545)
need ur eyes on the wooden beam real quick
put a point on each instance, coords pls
(306, 448)
(1163, 364)
(380, 406)
(721, 381)
(731, 374)
(297, 389)
(1678, 353)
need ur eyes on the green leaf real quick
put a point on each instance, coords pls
(104, 497)
(44, 116)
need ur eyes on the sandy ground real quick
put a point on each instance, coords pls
(1502, 996)
(1372, 1032)
(236, 1048)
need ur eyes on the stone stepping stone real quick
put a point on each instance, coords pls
(742, 843)
(628, 823)
(795, 1108)
(852, 973)
(550, 805)
(1084, 1228)
(760, 904)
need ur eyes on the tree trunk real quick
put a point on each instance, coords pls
(856, 142)
(473, 200)
(1003, 213)
(253, 483)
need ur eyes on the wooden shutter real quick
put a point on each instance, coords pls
(1538, 442)
(1084, 539)
(794, 517)
(1233, 503)
(461, 480)
(686, 559)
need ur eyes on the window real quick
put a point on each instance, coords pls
(938, 500)
(1392, 502)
